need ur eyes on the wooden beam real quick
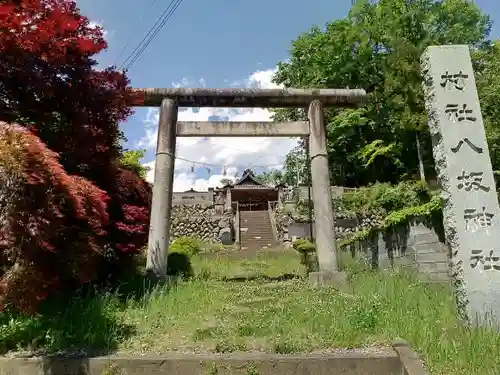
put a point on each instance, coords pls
(262, 98)
(242, 129)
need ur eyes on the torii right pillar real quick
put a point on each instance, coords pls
(324, 222)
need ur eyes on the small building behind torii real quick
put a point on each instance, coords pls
(249, 193)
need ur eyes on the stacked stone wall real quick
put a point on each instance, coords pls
(199, 221)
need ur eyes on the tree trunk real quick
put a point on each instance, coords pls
(420, 161)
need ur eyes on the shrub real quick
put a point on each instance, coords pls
(128, 209)
(186, 245)
(383, 198)
(50, 84)
(303, 246)
(307, 252)
(179, 264)
(52, 225)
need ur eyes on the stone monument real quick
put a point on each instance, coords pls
(465, 175)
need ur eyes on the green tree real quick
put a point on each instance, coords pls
(295, 170)
(486, 65)
(378, 47)
(271, 177)
(296, 167)
(131, 160)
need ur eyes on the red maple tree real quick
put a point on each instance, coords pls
(49, 82)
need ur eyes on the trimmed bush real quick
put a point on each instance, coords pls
(304, 246)
(179, 264)
(186, 245)
(307, 252)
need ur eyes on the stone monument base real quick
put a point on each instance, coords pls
(337, 279)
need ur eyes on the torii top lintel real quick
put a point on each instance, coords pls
(261, 98)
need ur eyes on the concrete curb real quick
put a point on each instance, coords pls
(397, 361)
(410, 361)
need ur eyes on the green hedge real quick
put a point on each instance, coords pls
(382, 199)
(396, 205)
(430, 211)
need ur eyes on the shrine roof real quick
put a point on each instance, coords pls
(248, 178)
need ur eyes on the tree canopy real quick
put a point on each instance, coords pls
(377, 47)
(131, 160)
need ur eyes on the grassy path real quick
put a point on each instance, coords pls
(218, 311)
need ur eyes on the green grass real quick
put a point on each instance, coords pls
(218, 311)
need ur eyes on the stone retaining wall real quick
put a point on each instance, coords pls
(289, 225)
(418, 246)
(199, 221)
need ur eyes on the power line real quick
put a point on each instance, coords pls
(138, 46)
(211, 165)
(143, 18)
(153, 32)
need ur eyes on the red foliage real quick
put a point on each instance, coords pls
(54, 227)
(48, 78)
(129, 208)
(49, 84)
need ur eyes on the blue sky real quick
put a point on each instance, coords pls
(214, 44)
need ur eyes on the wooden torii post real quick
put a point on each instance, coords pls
(314, 100)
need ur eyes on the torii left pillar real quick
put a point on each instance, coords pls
(161, 206)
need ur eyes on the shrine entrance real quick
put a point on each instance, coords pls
(250, 194)
(169, 129)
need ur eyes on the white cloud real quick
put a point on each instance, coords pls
(95, 24)
(185, 180)
(214, 155)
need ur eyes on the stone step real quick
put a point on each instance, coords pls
(254, 224)
(259, 233)
(257, 245)
(251, 226)
(257, 240)
(258, 236)
(263, 224)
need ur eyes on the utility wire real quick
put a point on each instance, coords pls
(151, 35)
(143, 18)
(204, 164)
(151, 30)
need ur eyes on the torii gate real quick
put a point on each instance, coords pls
(170, 99)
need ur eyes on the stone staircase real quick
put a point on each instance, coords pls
(259, 232)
